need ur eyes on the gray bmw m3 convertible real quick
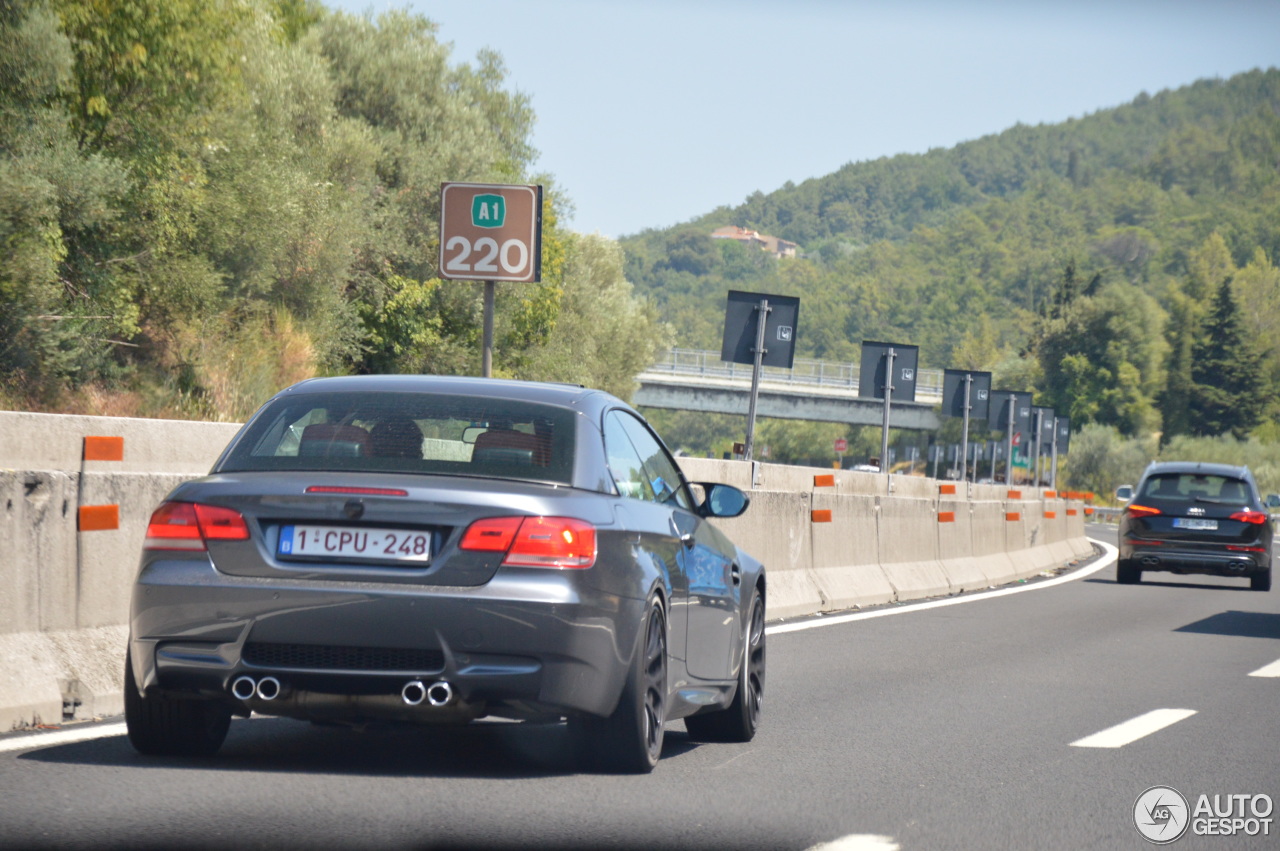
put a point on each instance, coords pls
(438, 550)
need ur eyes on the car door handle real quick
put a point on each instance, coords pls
(735, 574)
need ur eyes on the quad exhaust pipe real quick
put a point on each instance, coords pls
(437, 694)
(440, 694)
(413, 693)
(246, 687)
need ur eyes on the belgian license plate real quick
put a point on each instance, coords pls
(345, 542)
(1198, 524)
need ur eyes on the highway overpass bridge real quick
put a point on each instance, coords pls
(818, 391)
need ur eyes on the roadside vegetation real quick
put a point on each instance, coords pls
(203, 201)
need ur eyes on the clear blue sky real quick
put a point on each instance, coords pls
(652, 112)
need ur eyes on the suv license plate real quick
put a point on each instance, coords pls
(1199, 524)
(343, 542)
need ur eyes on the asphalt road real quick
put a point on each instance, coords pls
(932, 727)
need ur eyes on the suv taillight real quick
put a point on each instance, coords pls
(1135, 510)
(191, 525)
(1255, 517)
(561, 542)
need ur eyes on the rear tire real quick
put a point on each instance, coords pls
(1261, 581)
(738, 721)
(1127, 573)
(161, 726)
(630, 740)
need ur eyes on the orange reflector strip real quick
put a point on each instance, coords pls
(1089, 495)
(825, 481)
(820, 515)
(97, 518)
(1050, 494)
(1071, 512)
(945, 489)
(946, 517)
(1013, 515)
(1088, 509)
(104, 449)
(1015, 494)
(1051, 515)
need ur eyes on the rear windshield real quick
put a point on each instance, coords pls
(409, 433)
(1192, 486)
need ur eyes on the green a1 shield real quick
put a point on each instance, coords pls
(488, 211)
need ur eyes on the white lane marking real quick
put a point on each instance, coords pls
(858, 842)
(61, 737)
(1108, 558)
(1134, 729)
(1272, 670)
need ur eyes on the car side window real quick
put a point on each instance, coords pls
(624, 461)
(660, 470)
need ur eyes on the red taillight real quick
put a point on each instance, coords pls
(1239, 549)
(221, 524)
(1136, 510)
(491, 535)
(1257, 518)
(189, 525)
(561, 542)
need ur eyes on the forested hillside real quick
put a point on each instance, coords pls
(202, 201)
(1085, 261)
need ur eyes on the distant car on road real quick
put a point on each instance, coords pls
(437, 550)
(1196, 518)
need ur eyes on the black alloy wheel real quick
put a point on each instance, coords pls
(630, 740)
(738, 722)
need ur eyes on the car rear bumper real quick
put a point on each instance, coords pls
(530, 642)
(1210, 562)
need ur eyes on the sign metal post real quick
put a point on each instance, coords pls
(757, 365)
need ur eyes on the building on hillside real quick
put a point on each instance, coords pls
(772, 244)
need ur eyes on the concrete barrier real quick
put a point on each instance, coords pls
(831, 540)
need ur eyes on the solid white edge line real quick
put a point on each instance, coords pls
(1272, 670)
(858, 842)
(61, 737)
(1107, 559)
(1134, 729)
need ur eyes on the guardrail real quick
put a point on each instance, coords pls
(805, 372)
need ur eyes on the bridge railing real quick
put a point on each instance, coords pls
(805, 372)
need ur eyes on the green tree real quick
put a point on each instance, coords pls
(52, 193)
(1228, 392)
(1104, 359)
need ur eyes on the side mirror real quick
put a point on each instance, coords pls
(722, 500)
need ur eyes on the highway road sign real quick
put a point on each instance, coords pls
(842, 445)
(490, 232)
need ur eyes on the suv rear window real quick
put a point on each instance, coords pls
(408, 433)
(1191, 486)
